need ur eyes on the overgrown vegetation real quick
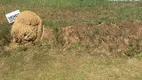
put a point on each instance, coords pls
(109, 47)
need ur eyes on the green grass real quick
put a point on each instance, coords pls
(57, 3)
(79, 62)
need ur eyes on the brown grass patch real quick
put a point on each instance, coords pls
(48, 35)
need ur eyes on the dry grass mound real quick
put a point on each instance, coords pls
(122, 37)
(27, 28)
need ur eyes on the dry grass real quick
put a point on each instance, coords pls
(103, 42)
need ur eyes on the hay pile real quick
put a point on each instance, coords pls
(27, 28)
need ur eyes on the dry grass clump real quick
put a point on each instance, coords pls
(76, 34)
(27, 28)
(120, 37)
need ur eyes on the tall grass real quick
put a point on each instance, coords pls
(4, 34)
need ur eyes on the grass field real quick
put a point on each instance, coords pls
(114, 50)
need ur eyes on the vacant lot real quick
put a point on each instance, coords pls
(105, 41)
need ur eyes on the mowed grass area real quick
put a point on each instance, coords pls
(44, 63)
(51, 62)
